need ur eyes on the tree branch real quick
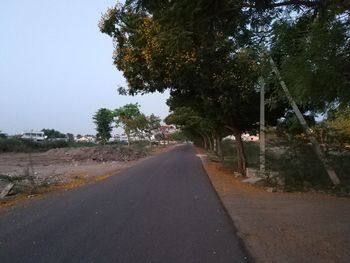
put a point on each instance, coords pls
(286, 3)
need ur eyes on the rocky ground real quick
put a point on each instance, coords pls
(284, 227)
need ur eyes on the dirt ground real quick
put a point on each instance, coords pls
(284, 227)
(66, 168)
(59, 165)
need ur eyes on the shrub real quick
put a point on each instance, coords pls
(251, 151)
(20, 145)
(296, 163)
(301, 169)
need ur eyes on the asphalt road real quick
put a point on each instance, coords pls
(162, 210)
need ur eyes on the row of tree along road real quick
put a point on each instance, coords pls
(216, 56)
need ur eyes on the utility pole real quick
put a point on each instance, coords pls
(316, 146)
(262, 127)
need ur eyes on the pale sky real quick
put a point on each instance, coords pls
(56, 67)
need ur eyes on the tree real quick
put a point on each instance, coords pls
(340, 120)
(201, 51)
(258, 5)
(159, 136)
(128, 118)
(70, 137)
(336, 127)
(146, 54)
(192, 124)
(313, 57)
(291, 126)
(229, 100)
(155, 39)
(103, 119)
(3, 135)
(52, 134)
(179, 136)
(151, 124)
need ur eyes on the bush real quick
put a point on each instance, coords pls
(15, 145)
(296, 163)
(301, 169)
(251, 150)
(140, 146)
(20, 145)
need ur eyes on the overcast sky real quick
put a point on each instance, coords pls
(56, 67)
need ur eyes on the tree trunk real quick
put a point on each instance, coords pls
(322, 136)
(241, 158)
(219, 147)
(204, 142)
(210, 143)
(128, 136)
(150, 142)
(214, 142)
(163, 137)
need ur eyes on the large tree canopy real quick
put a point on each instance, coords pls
(314, 57)
(207, 53)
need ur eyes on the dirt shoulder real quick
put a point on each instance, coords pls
(284, 227)
(67, 168)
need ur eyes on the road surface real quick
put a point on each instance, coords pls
(162, 210)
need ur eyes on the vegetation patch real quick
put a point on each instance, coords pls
(296, 164)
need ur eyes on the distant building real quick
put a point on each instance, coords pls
(85, 138)
(245, 137)
(124, 138)
(121, 137)
(33, 135)
(166, 129)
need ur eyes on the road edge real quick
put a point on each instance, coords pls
(242, 244)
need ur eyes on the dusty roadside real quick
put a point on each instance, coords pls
(67, 168)
(284, 227)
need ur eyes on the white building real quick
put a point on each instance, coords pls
(85, 138)
(245, 137)
(33, 135)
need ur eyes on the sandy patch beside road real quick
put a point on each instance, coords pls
(285, 227)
